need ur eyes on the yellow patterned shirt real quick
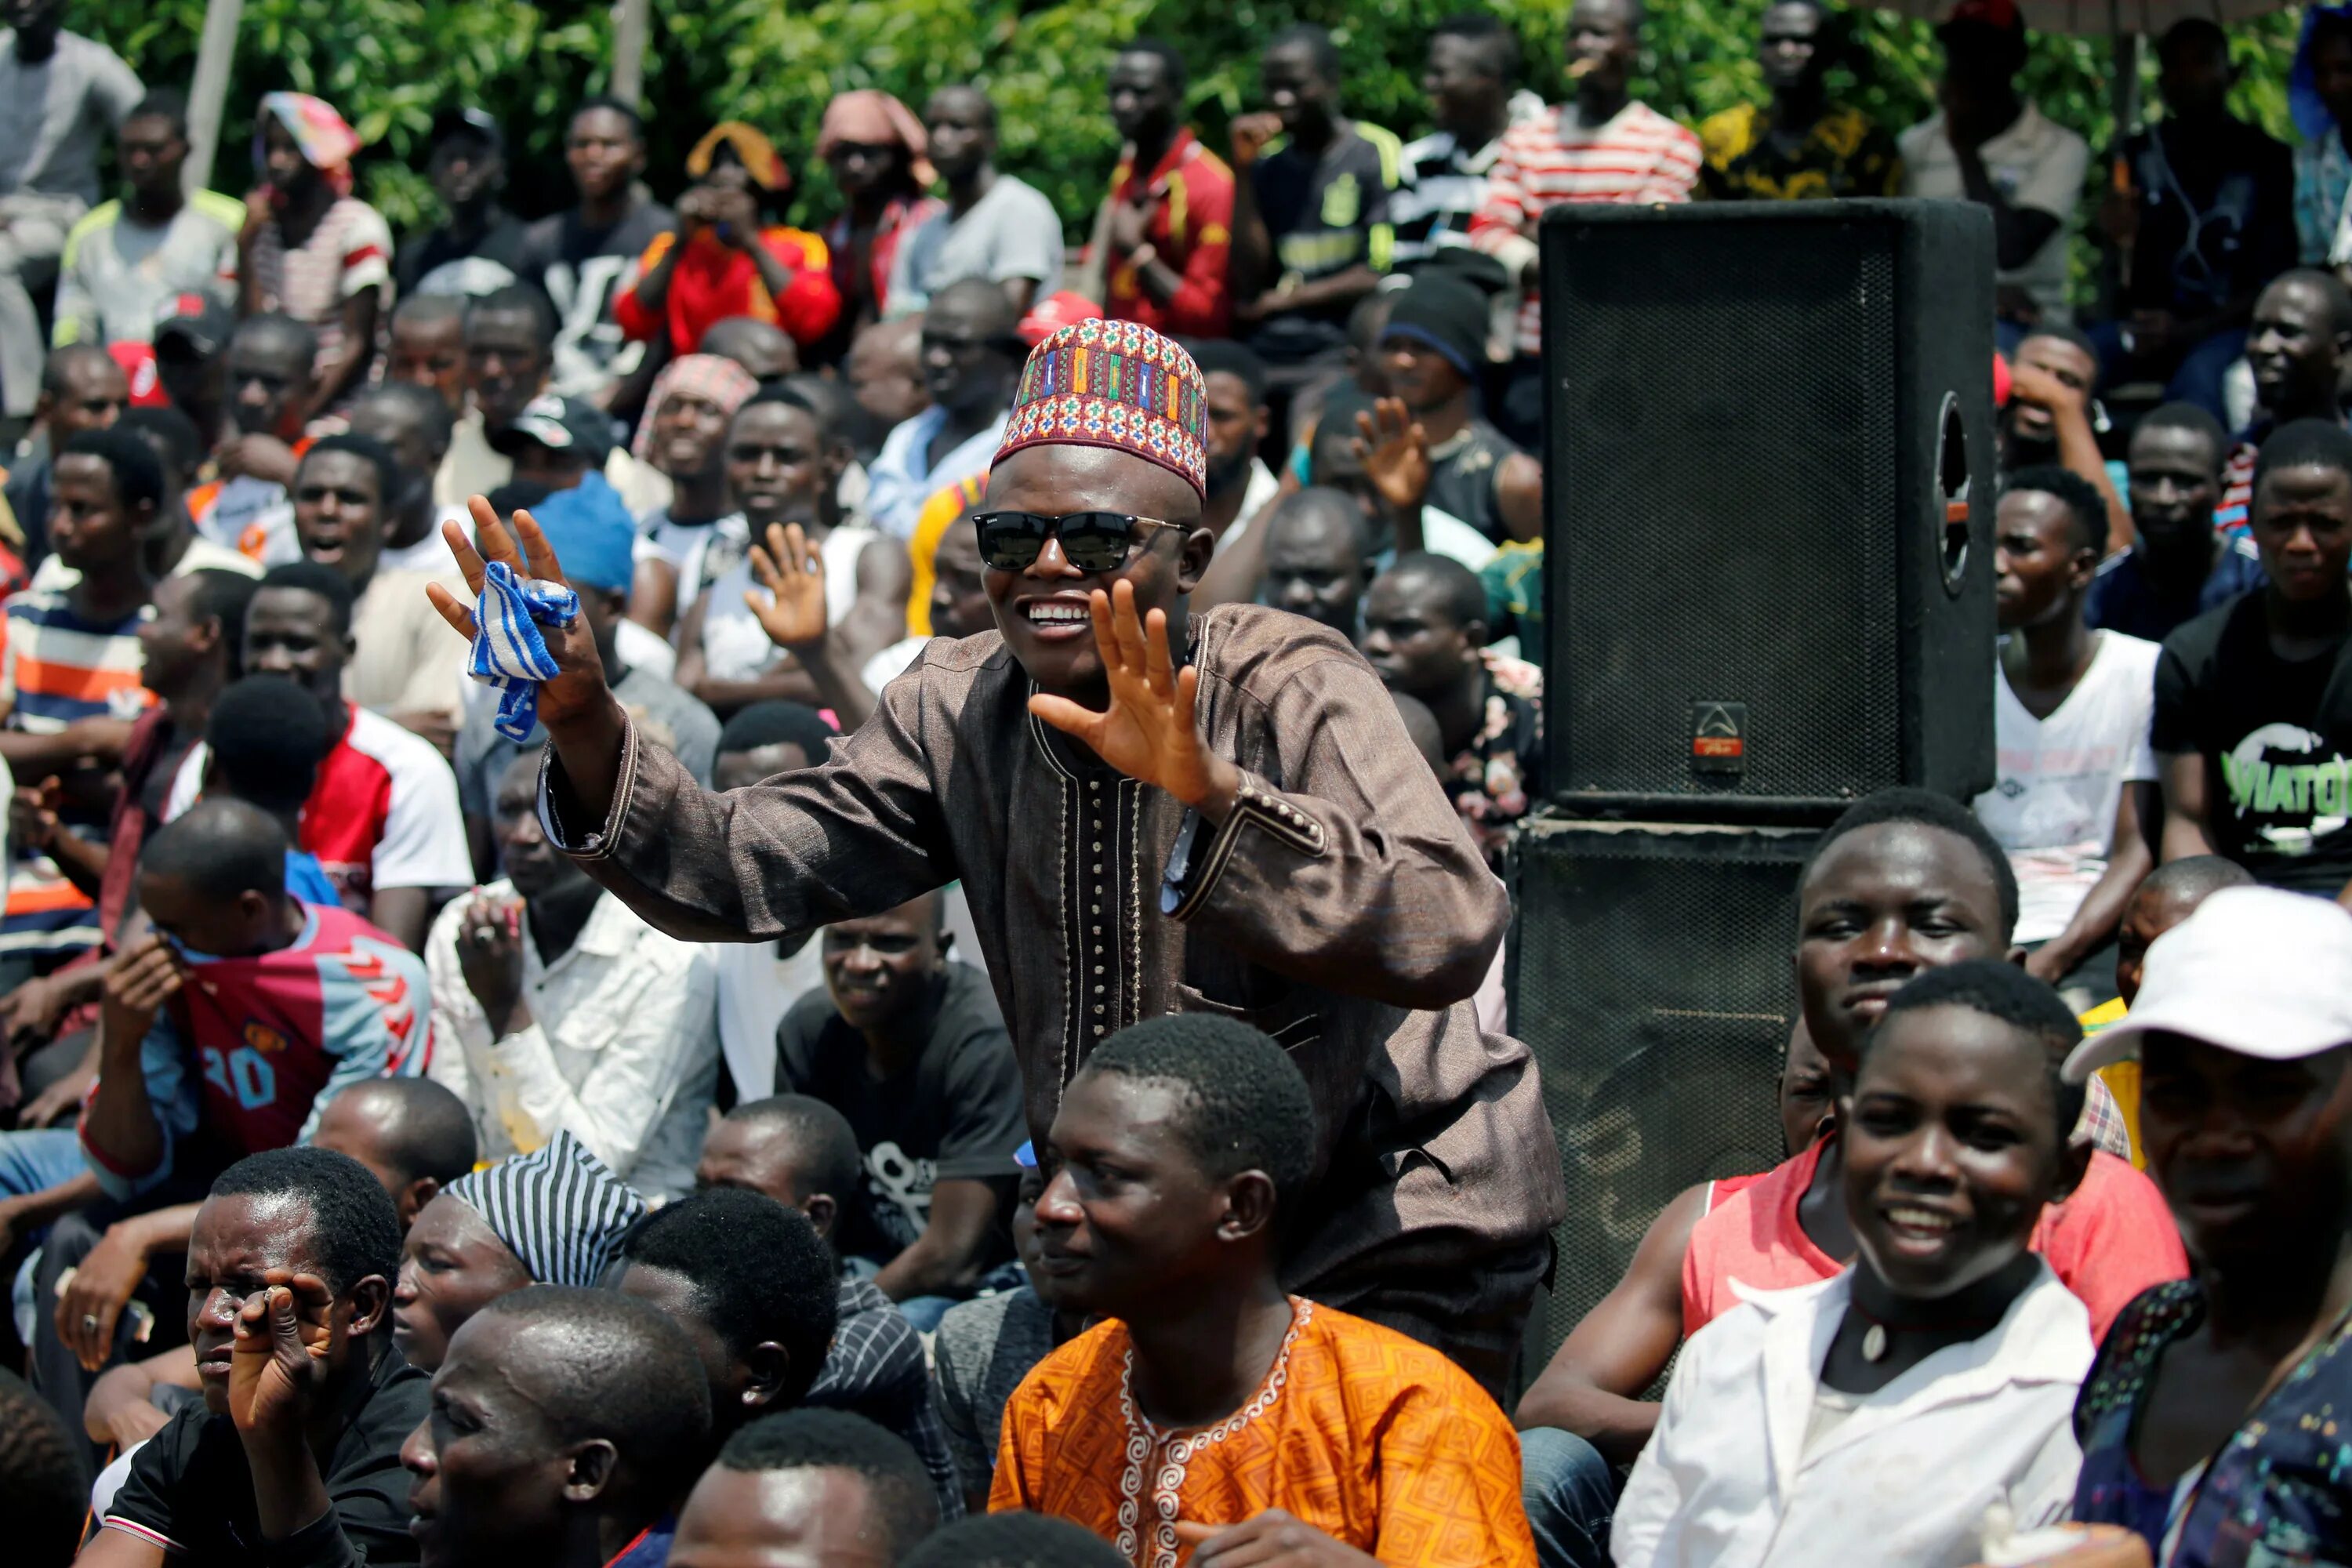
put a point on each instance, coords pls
(1845, 154)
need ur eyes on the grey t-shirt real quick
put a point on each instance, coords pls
(984, 1349)
(1011, 232)
(483, 755)
(56, 116)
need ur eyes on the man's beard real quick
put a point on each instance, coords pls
(1229, 474)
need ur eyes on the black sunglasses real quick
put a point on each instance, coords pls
(1091, 541)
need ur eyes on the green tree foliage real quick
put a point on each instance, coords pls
(389, 64)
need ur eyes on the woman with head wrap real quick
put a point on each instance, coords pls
(874, 146)
(2319, 95)
(684, 434)
(309, 249)
(725, 258)
(553, 1216)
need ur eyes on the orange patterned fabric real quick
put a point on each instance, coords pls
(1373, 1438)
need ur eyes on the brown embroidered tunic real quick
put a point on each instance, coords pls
(1342, 908)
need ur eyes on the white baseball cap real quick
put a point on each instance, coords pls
(2257, 971)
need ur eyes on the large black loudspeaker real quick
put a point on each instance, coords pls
(1650, 975)
(1769, 466)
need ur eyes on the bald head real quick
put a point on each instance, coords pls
(2169, 895)
(221, 845)
(982, 308)
(760, 347)
(601, 1364)
(1315, 552)
(411, 1128)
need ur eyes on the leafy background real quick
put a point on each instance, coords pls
(389, 64)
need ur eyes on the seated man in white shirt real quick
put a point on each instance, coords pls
(1875, 1416)
(568, 1013)
(2076, 780)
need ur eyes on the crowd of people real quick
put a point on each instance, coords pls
(687, 889)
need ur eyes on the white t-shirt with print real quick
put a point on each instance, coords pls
(2058, 780)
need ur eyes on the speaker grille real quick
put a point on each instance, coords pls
(1650, 977)
(1724, 397)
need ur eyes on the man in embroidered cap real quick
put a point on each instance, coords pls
(553, 1216)
(1249, 832)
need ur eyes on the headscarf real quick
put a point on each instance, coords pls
(326, 139)
(591, 532)
(2303, 99)
(558, 1209)
(1118, 385)
(711, 377)
(871, 118)
(758, 155)
(945, 508)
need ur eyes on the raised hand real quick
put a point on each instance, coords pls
(578, 690)
(1149, 732)
(489, 956)
(278, 1363)
(1394, 450)
(791, 569)
(1250, 133)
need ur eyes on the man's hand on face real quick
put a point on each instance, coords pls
(259, 456)
(278, 1360)
(1149, 732)
(1250, 133)
(141, 978)
(2031, 383)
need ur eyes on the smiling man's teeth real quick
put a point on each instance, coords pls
(1919, 1219)
(1046, 610)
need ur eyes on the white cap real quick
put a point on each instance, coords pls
(2257, 971)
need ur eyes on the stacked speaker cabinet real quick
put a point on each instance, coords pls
(1769, 470)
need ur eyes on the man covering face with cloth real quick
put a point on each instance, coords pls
(1149, 814)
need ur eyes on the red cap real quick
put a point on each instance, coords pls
(2001, 16)
(138, 363)
(1050, 315)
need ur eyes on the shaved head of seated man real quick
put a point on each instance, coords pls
(1174, 874)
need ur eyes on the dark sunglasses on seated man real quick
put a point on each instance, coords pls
(1091, 541)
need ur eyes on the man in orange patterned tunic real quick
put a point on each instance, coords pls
(1215, 1419)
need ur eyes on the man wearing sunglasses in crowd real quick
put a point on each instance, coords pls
(1151, 814)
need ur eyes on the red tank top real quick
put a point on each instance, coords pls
(2112, 1239)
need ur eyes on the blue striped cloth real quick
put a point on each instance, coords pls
(509, 655)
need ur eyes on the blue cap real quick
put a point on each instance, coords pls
(594, 536)
(1025, 1157)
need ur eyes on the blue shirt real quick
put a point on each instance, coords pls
(2278, 1491)
(901, 476)
(2122, 599)
(306, 879)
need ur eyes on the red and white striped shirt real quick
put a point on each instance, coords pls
(348, 252)
(1639, 155)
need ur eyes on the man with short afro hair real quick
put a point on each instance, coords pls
(2253, 730)
(1168, 1166)
(817, 1486)
(567, 1425)
(292, 1247)
(751, 1285)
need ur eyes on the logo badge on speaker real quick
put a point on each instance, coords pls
(1718, 737)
